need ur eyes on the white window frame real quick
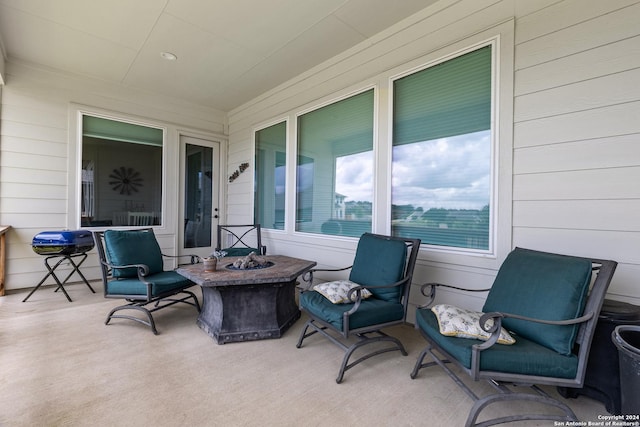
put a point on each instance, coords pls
(293, 147)
(493, 144)
(501, 38)
(254, 131)
(74, 201)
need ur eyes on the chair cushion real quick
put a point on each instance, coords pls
(124, 247)
(379, 261)
(459, 322)
(240, 251)
(523, 357)
(163, 283)
(338, 290)
(543, 286)
(372, 311)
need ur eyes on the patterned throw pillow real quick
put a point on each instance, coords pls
(458, 322)
(336, 291)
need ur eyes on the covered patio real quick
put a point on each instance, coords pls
(477, 125)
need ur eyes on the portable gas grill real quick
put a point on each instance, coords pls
(66, 245)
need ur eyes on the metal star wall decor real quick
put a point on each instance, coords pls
(125, 180)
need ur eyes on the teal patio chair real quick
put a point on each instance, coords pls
(549, 304)
(240, 240)
(375, 297)
(132, 269)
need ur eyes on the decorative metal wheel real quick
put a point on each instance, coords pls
(125, 180)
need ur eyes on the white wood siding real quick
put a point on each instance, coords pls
(575, 161)
(576, 156)
(34, 159)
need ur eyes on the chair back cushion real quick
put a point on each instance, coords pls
(125, 247)
(240, 251)
(380, 260)
(543, 286)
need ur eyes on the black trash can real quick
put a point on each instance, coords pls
(602, 379)
(627, 339)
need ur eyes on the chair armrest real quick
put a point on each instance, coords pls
(496, 326)
(431, 289)
(356, 302)
(142, 268)
(497, 315)
(308, 276)
(194, 259)
(358, 291)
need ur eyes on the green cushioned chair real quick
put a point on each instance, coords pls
(240, 240)
(384, 266)
(132, 269)
(550, 304)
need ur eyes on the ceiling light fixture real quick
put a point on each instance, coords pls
(168, 56)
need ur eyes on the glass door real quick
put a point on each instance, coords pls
(200, 162)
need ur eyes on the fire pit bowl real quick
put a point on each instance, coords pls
(257, 267)
(250, 262)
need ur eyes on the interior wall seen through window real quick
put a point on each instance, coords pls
(121, 173)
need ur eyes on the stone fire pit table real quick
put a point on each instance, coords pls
(246, 305)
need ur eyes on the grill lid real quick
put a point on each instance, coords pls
(64, 242)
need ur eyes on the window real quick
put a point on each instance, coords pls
(442, 153)
(121, 173)
(270, 176)
(334, 186)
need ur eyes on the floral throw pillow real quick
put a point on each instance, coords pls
(337, 291)
(458, 322)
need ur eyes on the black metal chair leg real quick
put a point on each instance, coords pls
(419, 365)
(303, 334)
(151, 323)
(366, 341)
(512, 396)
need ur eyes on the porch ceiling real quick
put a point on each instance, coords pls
(229, 51)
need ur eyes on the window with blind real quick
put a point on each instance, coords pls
(442, 153)
(270, 176)
(334, 184)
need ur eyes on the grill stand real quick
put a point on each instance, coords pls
(76, 269)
